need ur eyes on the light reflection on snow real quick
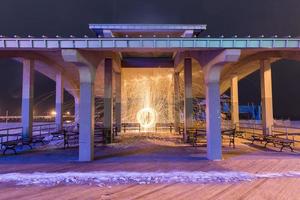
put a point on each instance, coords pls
(102, 178)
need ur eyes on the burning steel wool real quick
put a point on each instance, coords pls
(147, 97)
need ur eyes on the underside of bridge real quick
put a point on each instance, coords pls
(144, 72)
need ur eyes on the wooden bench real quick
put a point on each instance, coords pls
(180, 130)
(275, 140)
(230, 133)
(10, 145)
(163, 126)
(284, 143)
(196, 135)
(57, 135)
(38, 139)
(131, 126)
(103, 135)
(71, 138)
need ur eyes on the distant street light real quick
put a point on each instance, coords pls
(53, 113)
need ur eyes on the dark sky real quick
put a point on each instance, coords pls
(228, 17)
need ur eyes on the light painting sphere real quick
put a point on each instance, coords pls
(146, 117)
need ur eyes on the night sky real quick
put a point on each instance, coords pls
(227, 17)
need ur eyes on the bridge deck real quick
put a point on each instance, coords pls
(134, 154)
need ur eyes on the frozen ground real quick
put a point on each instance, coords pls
(102, 178)
(151, 166)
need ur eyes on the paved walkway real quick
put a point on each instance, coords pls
(156, 153)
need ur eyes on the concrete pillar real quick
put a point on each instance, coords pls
(266, 95)
(108, 101)
(213, 121)
(87, 106)
(188, 97)
(76, 112)
(170, 104)
(86, 121)
(59, 101)
(27, 98)
(212, 73)
(118, 100)
(176, 102)
(234, 100)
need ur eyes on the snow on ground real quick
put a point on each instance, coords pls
(102, 178)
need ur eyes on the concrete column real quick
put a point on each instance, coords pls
(76, 112)
(87, 106)
(27, 98)
(118, 100)
(86, 121)
(266, 95)
(170, 104)
(59, 101)
(176, 101)
(234, 100)
(213, 121)
(108, 101)
(212, 73)
(188, 97)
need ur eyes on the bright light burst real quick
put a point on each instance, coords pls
(146, 117)
(147, 96)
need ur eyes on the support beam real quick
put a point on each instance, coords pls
(234, 100)
(118, 100)
(76, 111)
(176, 101)
(87, 72)
(86, 121)
(266, 95)
(147, 62)
(59, 101)
(108, 100)
(213, 121)
(188, 97)
(212, 71)
(27, 98)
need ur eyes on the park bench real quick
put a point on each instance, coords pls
(131, 126)
(275, 140)
(282, 142)
(71, 138)
(164, 126)
(57, 135)
(13, 144)
(239, 132)
(10, 145)
(231, 134)
(281, 137)
(104, 136)
(180, 130)
(196, 136)
(38, 139)
(260, 138)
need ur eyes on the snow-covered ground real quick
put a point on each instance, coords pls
(102, 178)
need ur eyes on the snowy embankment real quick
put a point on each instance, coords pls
(101, 178)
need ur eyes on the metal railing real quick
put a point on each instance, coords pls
(15, 133)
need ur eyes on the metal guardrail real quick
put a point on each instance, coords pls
(288, 132)
(15, 133)
(36, 118)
